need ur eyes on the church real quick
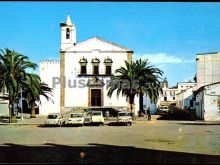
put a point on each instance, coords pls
(79, 79)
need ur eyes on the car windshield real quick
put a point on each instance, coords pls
(52, 116)
(96, 113)
(123, 114)
(76, 115)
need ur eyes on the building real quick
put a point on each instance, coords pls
(208, 102)
(175, 95)
(81, 76)
(208, 87)
(207, 68)
(185, 99)
(4, 103)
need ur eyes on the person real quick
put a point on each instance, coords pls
(107, 114)
(148, 114)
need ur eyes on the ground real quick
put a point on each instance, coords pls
(157, 141)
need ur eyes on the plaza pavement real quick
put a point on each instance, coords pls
(157, 141)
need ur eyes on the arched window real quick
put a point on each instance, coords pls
(67, 33)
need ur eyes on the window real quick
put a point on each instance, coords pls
(67, 33)
(173, 98)
(108, 70)
(108, 63)
(95, 69)
(83, 69)
(83, 63)
(165, 98)
(95, 63)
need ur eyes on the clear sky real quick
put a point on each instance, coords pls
(169, 34)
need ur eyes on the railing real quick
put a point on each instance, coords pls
(102, 72)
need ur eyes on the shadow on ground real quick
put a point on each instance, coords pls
(97, 153)
(204, 123)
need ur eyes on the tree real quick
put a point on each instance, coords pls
(137, 78)
(148, 81)
(34, 90)
(124, 83)
(13, 73)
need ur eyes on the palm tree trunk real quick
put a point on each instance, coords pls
(131, 102)
(33, 115)
(12, 115)
(141, 104)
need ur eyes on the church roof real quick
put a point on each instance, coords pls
(105, 41)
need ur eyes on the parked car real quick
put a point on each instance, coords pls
(124, 117)
(75, 119)
(163, 110)
(54, 119)
(94, 117)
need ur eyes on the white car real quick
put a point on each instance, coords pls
(124, 117)
(75, 119)
(95, 117)
(54, 119)
(164, 110)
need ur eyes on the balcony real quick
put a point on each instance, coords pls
(101, 72)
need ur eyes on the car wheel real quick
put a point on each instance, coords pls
(130, 123)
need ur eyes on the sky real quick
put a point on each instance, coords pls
(169, 34)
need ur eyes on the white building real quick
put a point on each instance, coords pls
(208, 102)
(81, 76)
(4, 104)
(185, 99)
(181, 95)
(208, 86)
(168, 95)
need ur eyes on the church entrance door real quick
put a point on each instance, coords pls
(95, 97)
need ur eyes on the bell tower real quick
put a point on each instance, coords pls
(68, 34)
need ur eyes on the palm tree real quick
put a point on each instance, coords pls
(13, 67)
(124, 83)
(137, 78)
(148, 81)
(34, 90)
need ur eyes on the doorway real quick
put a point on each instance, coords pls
(95, 97)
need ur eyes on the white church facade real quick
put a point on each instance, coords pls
(79, 79)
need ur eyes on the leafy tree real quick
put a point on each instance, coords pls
(34, 90)
(13, 66)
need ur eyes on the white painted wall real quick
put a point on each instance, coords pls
(208, 100)
(184, 97)
(72, 68)
(211, 107)
(48, 71)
